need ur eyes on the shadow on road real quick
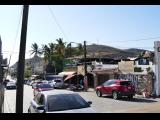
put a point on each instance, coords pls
(141, 100)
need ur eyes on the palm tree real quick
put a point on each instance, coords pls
(60, 47)
(35, 50)
(46, 52)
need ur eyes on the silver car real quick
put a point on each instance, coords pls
(59, 101)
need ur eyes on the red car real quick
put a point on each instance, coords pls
(42, 87)
(116, 88)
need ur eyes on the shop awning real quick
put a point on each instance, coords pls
(67, 73)
(69, 77)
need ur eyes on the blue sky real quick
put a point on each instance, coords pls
(102, 24)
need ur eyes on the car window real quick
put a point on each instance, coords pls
(66, 102)
(112, 82)
(126, 83)
(44, 86)
(41, 100)
(108, 83)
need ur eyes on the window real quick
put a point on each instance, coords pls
(108, 83)
(143, 62)
(125, 83)
(41, 100)
(66, 102)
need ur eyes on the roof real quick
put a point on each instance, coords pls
(67, 73)
(119, 80)
(69, 77)
(56, 92)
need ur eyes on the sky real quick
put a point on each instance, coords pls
(119, 26)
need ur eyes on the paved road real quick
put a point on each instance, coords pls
(10, 99)
(101, 105)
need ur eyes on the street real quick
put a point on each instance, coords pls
(99, 104)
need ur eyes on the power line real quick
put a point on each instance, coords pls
(151, 38)
(54, 17)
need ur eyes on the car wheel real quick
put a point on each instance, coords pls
(115, 95)
(130, 96)
(99, 93)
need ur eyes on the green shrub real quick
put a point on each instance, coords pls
(138, 69)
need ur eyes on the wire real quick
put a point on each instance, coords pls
(138, 39)
(54, 17)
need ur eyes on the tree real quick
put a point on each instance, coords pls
(27, 73)
(47, 52)
(60, 47)
(35, 50)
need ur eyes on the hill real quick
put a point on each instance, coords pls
(108, 51)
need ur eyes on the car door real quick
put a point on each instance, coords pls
(34, 104)
(105, 87)
(40, 102)
(108, 87)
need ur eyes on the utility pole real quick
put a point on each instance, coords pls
(21, 62)
(85, 65)
(85, 68)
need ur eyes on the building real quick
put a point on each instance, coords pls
(97, 72)
(136, 65)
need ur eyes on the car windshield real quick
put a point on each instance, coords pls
(126, 83)
(44, 86)
(66, 102)
(10, 83)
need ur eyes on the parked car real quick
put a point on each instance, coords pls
(34, 84)
(116, 88)
(31, 83)
(57, 83)
(28, 82)
(11, 85)
(44, 81)
(42, 87)
(59, 101)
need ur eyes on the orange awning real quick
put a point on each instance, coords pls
(69, 77)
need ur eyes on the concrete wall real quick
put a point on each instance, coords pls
(126, 66)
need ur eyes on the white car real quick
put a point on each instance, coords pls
(11, 85)
(59, 101)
